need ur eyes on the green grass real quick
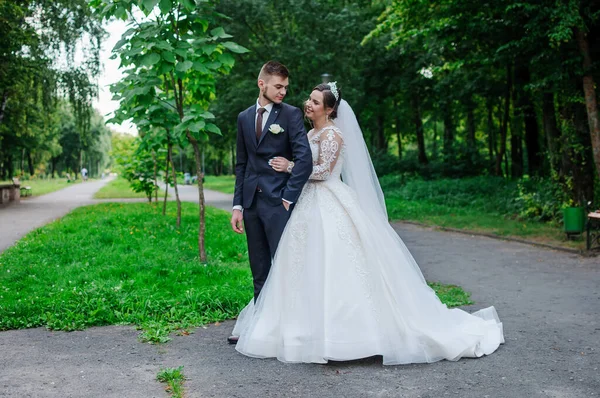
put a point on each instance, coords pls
(119, 188)
(174, 379)
(124, 263)
(451, 295)
(225, 184)
(483, 205)
(42, 186)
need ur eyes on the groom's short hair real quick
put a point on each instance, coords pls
(273, 68)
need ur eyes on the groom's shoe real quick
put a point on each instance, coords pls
(233, 339)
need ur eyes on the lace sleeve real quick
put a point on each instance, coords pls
(330, 146)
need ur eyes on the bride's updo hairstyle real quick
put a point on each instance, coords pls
(329, 99)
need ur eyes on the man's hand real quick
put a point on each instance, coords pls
(279, 164)
(286, 205)
(237, 221)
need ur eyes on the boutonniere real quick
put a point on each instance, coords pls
(276, 129)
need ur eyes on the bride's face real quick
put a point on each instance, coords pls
(314, 108)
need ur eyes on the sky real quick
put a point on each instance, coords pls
(109, 74)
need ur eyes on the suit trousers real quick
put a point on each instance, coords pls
(264, 224)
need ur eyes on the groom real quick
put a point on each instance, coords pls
(263, 197)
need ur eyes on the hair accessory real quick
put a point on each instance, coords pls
(334, 90)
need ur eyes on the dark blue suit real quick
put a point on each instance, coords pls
(259, 189)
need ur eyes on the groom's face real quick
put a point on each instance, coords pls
(274, 88)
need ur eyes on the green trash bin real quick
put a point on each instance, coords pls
(574, 220)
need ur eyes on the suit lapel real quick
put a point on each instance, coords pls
(273, 115)
(251, 123)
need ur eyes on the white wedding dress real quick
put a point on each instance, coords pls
(342, 287)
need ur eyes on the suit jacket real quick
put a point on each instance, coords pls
(252, 168)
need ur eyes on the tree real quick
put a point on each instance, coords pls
(33, 34)
(173, 54)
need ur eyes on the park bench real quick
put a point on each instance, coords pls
(9, 193)
(593, 230)
(24, 190)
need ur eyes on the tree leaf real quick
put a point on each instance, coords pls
(165, 6)
(150, 59)
(121, 13)
(189, 4)
(181, 52)
(149, 5)
(220, 33)
(213, 65)
(227, 59)
(168, 56)
(208, 48)
(184, 66)
(213, 128)
(199, 66)
(234, 47)
(166, 68)
(120, 43)
(196, 126)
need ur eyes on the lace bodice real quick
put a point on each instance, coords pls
(327, 146)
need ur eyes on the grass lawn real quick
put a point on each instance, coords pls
(477, 221)
(225, 184)
(119, 188)
(124, 263)
(472, 204)
(43, 186)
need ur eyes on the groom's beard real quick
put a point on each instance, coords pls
(265, 96)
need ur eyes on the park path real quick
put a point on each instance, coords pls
(549, 302)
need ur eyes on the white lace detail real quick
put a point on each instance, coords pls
(330, 144)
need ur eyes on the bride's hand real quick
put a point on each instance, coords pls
(279, 164)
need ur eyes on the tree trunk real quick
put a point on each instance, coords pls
(170, 158)
(398, 133)
(10, 166)
(471, 125)
(448, 129)
(490, 131)
(53, 162)
(434, 147)
(524, 106)
(30, 163)
(583, 180)
(178, 91)
(381, 141)
(3, 104)
(232, 171)
(167, 162)
(591, 102)
(202, 224)
(551, 130)
(155, 161)
(504, 128)
(418, 121)
(516, 135)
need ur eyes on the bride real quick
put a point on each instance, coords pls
(343, 285)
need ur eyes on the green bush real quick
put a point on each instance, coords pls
(490, 194)
(540, 199)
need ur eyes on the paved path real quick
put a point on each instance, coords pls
(549, 302)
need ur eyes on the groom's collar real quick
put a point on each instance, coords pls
(268, 107)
